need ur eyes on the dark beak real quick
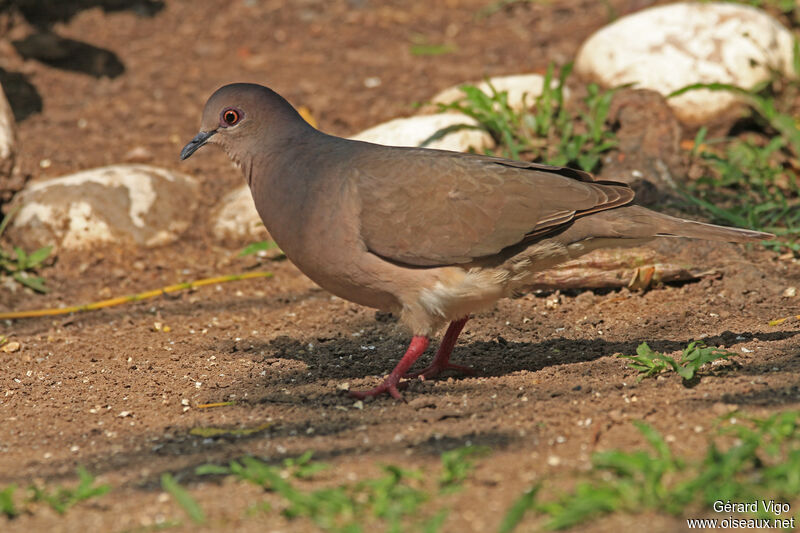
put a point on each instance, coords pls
(199, 140)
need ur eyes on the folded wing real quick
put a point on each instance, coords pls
(430, 208)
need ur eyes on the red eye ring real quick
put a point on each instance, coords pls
(230, 117)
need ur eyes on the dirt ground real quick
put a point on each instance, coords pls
(108, 390)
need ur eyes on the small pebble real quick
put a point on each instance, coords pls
(138, 154)
(11, 347)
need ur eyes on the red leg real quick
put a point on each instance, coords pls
(441, 361)
(390, 384)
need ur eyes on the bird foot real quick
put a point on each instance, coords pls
(437, 368)
(390, 385)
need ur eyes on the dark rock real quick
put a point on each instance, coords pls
(649, 155)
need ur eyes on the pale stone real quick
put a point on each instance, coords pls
(236, 218)
(139, 204)
(669, 47)
(8, 137)
(522, 90)
(413, 131)
(8, 151)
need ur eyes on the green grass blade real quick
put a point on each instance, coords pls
(37, 257)
(444, 132)
(516, 513)
(7, 505)
(256, 247)
(184, 499)
(711, 87)
(211, 470)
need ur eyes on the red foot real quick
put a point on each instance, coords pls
(392, 383)
(435, 369)
(389, 385)
(441, 362)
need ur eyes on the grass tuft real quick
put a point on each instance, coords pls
(7, 505)
(456, 467)
(650, 363)
(21, 265)
(751, 180)
(546, 131)
(747, 459)
(395, 501)
(62, 498)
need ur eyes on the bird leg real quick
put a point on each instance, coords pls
(441, 361)
(419, 344)
(417, 347)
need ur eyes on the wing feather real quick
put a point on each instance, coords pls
(429, 207)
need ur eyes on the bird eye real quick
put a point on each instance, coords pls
(230, 117)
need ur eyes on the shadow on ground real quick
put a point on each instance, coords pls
(45, 45)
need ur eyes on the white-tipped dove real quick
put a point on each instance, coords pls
(429, 235)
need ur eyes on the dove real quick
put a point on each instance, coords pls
(431, 236)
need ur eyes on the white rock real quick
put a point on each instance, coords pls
(236, 218)
(8, 150)
(522, 90)
(669, 47)
(140, 204)
(413, 131)
(8, 136)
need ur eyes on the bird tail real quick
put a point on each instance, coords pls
(636, 222)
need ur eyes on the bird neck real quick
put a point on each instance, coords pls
(267, 174)
(241, 157)
(245, 163)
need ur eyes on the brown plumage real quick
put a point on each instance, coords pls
(430, 235)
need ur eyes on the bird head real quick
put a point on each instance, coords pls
(239, 116)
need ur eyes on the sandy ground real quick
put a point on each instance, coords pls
(109, 390)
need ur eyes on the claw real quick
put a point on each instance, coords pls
(392, 384)
(435, 369)
(385, 387)
(441, 362)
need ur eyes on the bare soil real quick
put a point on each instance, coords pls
(108, 390)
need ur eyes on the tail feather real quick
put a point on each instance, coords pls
(712, 232)
(636, 222)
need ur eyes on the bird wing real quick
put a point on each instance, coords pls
(429, 207)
